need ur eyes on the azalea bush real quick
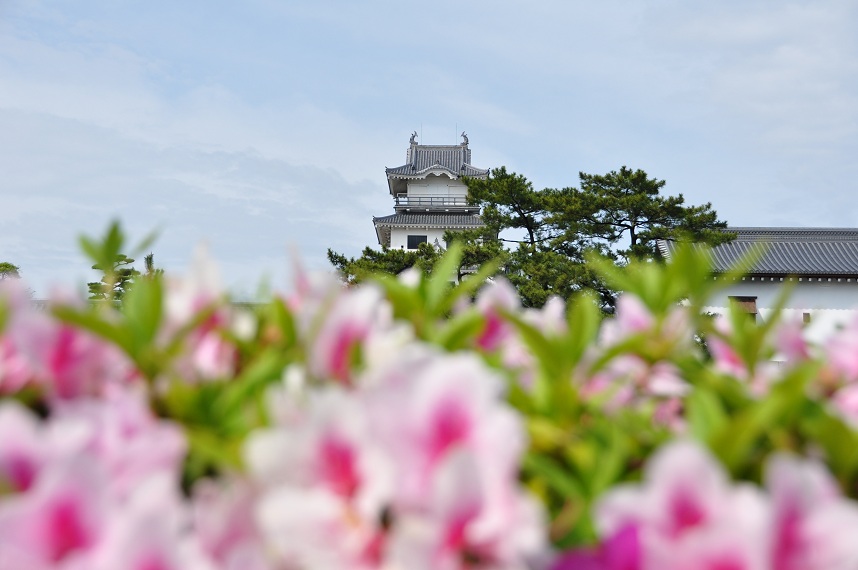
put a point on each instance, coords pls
(412, 422)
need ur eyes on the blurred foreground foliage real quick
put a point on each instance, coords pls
(561, 378)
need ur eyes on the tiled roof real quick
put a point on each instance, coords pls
(787, 251)
(383, 224)
(420, 159)
(439, 220)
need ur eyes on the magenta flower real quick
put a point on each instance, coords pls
(814, 527)
(94, 487)
(225, 526)
(419, 457)
(354, 316)
(492, 300)
(621, 551)
(324, 485)
(122, 433)
(845, 403)
(23, 448)
(631, 317)
(790, 342)
(468, 524)
(688, 515)
(65, 361)
(60, 519)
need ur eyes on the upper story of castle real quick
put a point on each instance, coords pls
(431, 178)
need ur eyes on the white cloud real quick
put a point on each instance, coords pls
(248, 207)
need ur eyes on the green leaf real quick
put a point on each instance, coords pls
(210, 452)
(266, 369)
(549, 470)
(553, 364)
(840, 443)
(738, 440)
(584, 318)
(612, 462)
(705, 414)
(285, 321)
(459, 331)
(440, 281)
(143, 309)
(92, 249)
(469, 284)
(145, 243)
(94, 322)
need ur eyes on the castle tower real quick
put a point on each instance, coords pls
(429, 196)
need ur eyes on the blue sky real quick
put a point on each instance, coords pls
(266, 125)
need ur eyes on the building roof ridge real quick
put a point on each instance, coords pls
(784, 234)
(437, 146)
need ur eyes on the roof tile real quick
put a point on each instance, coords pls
(452, 158)
(440, 220)
(786, 251)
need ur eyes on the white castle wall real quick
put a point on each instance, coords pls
(399, 236)
(830, 302)
(437, 185)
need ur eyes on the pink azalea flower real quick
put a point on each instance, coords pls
(814, 527)
(845, 403)
(22, 447)
(354, 316)
(213, 356)
(687, 512)
(841, 351)
(446, 402)
(727, 360)
(663, 335)
(79, 363)
(621, 551)
(199, 288)
(468, 523)
(310, 528)
(151, 531)
(120, 431)
(551, 318)
(61, 519)
(368, 474)
(207, 354)
(224, 523)
(95, 487)
(669, 413)
(790, 342)
(631, 317)
(66, 360)
(496, 297)
(14, 371)
(630, 380)
(324, 485)
(515, 354)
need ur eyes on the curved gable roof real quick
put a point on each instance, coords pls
(423, 160)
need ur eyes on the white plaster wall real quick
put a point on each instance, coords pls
(830, 303)
(437, 185)
(399, 236)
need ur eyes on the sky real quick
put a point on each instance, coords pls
(262, 128)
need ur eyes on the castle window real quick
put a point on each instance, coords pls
(415, 241)
(747, 305)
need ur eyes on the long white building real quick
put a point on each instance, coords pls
(820, 265)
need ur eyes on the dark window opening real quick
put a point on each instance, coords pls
(747, 305)
(415, 241)
(805, 318)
